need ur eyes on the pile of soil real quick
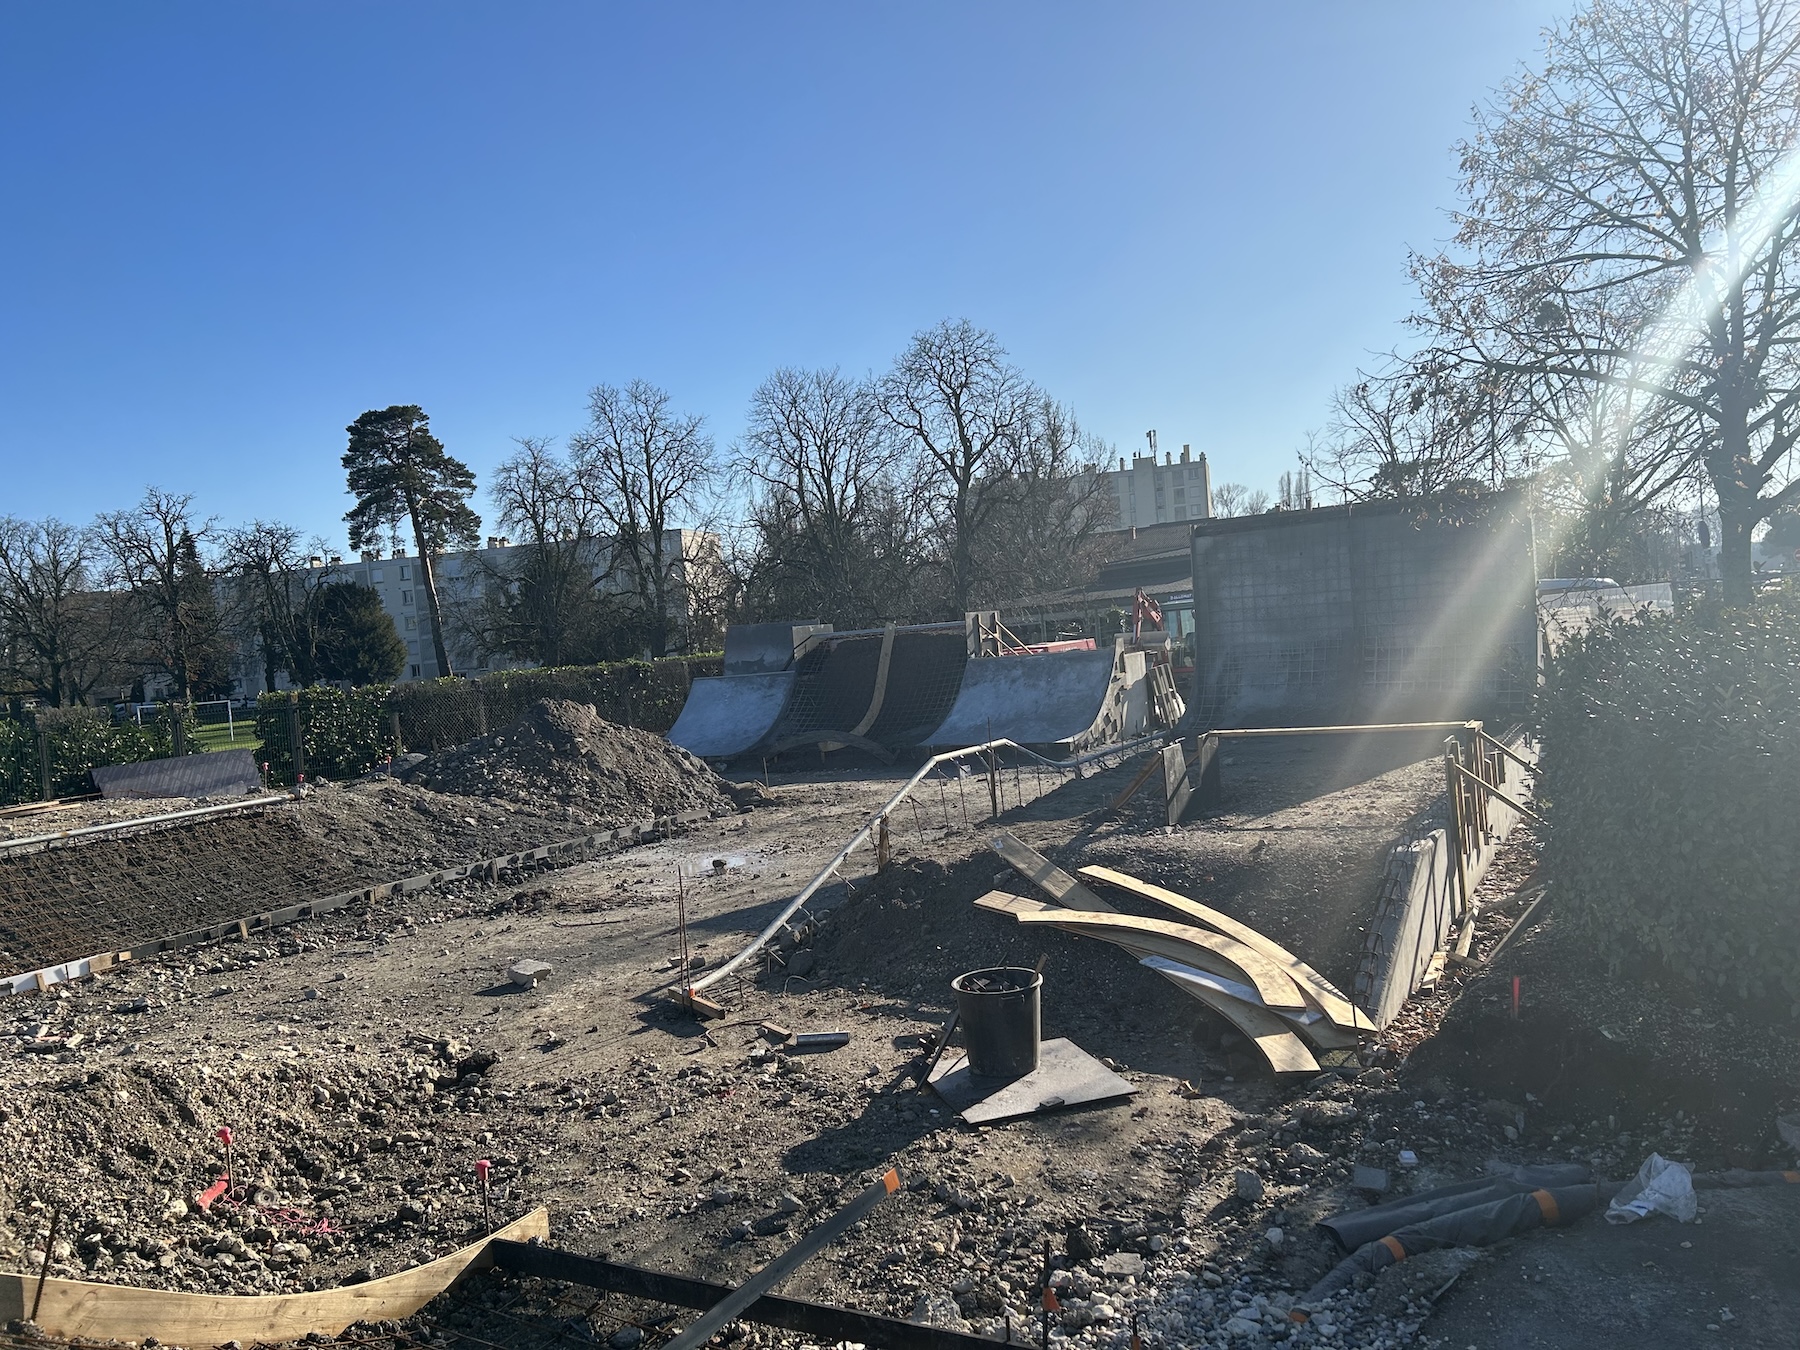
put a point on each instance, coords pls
(565, 753)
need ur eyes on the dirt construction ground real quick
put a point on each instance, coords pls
(366, 1060)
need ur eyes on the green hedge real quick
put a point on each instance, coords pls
(438, 714)
(343, 734)
(1671, 779)
(348, 734)
(78, 740)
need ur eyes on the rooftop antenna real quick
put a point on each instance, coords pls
(1151, 437)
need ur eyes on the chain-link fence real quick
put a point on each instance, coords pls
(46, 753)
(325, 732)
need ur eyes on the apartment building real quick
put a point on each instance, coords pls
(1149, 493)
(462, 581)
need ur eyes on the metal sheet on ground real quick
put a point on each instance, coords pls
(1332, 1003)
(728, 715)
(216, 774)
(1041, 699)
(1066, 1076)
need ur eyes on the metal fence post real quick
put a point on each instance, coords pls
(177, 714)
(43, 749)
(480, 708)
(394, 726)
(296, 735)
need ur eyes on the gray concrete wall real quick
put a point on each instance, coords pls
(1384, 611)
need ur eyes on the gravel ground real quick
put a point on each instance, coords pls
(366, 1060)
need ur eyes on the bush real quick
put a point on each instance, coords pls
(347, 734)
(1671, 780)
(344, 734)
(78, 740)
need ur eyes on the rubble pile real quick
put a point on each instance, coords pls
(599, 773)
(343, 1164)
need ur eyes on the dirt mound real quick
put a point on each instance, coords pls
(566, 753)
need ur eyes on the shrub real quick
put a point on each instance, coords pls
(78, 740)
(1671, 780)
(438, 714)
(344, 734)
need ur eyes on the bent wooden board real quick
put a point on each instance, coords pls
(1244, 964)
(118, 1312)
(1273, 1040)
(1138, 943)
(1332, 1003)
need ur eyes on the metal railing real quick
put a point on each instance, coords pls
(877, 827)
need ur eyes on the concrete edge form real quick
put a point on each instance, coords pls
(1420, 904)
(118, 1313)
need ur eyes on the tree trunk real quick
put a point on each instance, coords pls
(428, 583)
(1736, 520)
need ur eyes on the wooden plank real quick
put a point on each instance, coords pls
(116, 1312)
(1041, 872)
(1138, 944)
(1331, 1002)
(1244, 964)
(1263, 1027)
(1176, 791)
(1144, 775)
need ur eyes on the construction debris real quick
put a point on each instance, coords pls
(528, 974)
(566, 754)
(1255, 984)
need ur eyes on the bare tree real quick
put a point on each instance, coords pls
(157, 552)
(1631, 225)
(645, 466)
(1419, 427)
(1051, 508)
(55, 628)
(548, 604)
(1234, 499)
(815, 451)
(961, 410)
(279, 596)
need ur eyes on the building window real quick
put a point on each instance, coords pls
(405, 573)
(1181, 494)
(415, 672)
(406, 597)
(411, 622)
(374, 576)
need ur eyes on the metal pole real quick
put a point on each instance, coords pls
(708, 1326)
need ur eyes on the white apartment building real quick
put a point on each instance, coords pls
(1149, 493)
(462, 580)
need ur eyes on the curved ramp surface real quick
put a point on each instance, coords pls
(729, 715)
(1039, 699)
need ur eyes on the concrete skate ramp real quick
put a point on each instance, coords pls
(764, 648)
(923, 681)
(1039, 699)
(729, 715)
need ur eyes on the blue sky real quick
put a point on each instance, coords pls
(226, 230)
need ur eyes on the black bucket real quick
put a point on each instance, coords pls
(998, 1009)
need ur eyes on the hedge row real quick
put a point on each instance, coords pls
(344, 734)
(76, 740)
(1671, 779)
